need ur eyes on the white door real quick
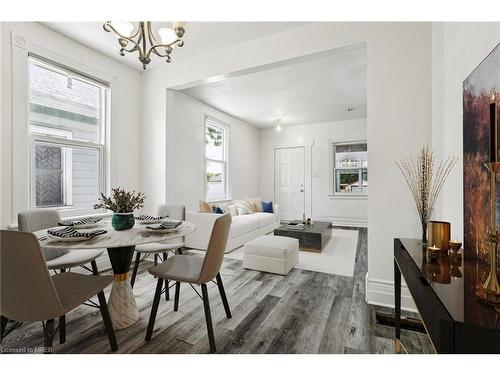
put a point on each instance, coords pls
(289, 182)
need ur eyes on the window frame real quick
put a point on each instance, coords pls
(334, 169)
(56, 137)
(212, 122)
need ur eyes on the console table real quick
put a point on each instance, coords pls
(443, 288)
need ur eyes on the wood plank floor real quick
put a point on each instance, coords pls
(304, 312)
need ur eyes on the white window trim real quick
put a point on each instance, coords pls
(332, 144)
(59, 137)
(227, 187)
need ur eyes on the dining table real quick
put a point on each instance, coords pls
(120, 246)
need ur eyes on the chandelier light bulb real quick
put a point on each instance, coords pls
(124, 28)
(167, 35)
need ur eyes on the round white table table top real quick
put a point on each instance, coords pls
(138, 235)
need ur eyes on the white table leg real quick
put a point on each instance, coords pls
(122, 306)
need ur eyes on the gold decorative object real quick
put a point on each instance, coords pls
(490, 290)
(455, 246)
(425, 180)
(433, 248)
(439, 234)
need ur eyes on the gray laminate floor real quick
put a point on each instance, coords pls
(304, 312)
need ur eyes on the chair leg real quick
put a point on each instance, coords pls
(136, 267)
(154, 309)
(62, 323)
(208, 318)
(167, 290)
(95, 271)
(223, 296)
(177, 293)
(4, 325)
(106, 319)
(62, 329)
(156, 259)
(48, 335)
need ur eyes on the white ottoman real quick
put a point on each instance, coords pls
(273, 254)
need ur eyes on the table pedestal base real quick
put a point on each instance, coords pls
(121, 305)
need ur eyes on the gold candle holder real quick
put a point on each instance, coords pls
(455, 246)
(490, 290)
(439, 234)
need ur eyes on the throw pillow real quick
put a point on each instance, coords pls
(205, 207)
(255, 203)
(231, 208)
(267, 206)
(243, 207)
(217, 210)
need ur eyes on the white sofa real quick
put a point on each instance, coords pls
(243, 228)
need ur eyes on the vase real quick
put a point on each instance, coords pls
(123, 220)
(424, 233)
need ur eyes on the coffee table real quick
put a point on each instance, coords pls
(311, 238)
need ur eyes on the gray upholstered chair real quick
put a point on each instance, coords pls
(62, 260)
(30, 294)
(160, 248)
(195, 270)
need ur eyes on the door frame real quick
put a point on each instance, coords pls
(274, 172)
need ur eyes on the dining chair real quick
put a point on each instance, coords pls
(62, 260)
(30, 293)
(193, 269)
(175, 212)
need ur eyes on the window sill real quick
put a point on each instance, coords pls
(216, 200)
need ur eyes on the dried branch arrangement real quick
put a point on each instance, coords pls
(425, 178)
(121, 201)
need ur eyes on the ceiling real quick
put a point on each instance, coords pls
(200, 37)
(312, 89)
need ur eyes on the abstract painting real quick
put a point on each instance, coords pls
(481, 93)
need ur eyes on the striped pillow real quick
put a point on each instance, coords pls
(243, 207)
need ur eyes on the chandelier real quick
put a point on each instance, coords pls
(144, 41)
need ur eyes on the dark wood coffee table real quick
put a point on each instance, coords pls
(311, 238)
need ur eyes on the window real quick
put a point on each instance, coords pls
(67, 120)
(216, 171)
(350, 168)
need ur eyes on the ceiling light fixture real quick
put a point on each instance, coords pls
(278, 124)
(144, 40)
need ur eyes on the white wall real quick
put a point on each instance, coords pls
(398, 120)
(125, 116)
(185, 153)
(458, 48)
(316, 139)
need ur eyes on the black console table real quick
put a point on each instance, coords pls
(443, 288)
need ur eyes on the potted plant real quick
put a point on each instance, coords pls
(122, 203)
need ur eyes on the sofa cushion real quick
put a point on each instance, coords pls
(243, 224)
(264, 218)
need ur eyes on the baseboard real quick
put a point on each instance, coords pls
(344, 221)
(381, 293)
